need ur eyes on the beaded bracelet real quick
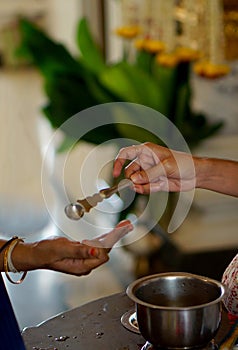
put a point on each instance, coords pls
(8, 265)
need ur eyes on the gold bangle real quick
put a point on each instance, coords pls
(5, 262)
(10, 265)
(4, 246)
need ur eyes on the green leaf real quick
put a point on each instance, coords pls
(91, 55)
(68, 94)
(46, 54)
(100, 92)
(137, 123)
(182, 104)
(144, 60)
(196, 127)
(167, 79)
(133, 85)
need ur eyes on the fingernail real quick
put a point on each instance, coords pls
(136, 177)
(93, 252)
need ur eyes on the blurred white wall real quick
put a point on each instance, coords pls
(113, 20)
(62, 19)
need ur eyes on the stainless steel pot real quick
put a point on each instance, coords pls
(177, 310)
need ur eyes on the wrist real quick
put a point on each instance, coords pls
(24, 256)
(209, 173)
(201, 169)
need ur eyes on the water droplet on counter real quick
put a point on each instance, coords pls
(105, 307)
(99, 335)
(62, 338)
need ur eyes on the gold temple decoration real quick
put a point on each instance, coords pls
(213, 65)
(231, 28)
(176, 31)
(130, 13)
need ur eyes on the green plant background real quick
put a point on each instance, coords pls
(73, 84)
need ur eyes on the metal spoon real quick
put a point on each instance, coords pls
(75, 211)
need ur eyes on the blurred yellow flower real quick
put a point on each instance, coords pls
(167, 59)
(186, 54)
(128, 32)
(211, 70)
(150, 45)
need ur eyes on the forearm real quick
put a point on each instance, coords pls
(217, 175)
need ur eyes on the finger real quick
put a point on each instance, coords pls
(150, 175)
(116, 234)
(123, 223)
(89, 264)
(77, 250)
(144, 159)
(110, 239)
(126, 153)
(117, 167)
(80, 266)
(132, 168)
(66, 249)
(92, 254)
(152, 187)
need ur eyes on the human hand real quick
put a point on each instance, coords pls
(71, 257)
(155, 168)
(108, 240)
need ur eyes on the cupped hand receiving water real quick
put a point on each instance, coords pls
(64, 255)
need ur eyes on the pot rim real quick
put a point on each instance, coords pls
(142, 281)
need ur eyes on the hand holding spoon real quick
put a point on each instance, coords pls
(75, 211)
